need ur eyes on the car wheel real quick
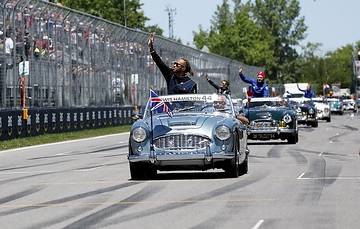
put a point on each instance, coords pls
(136, 171)
(293, 139)
(315, 124)
(141, 171)
(328, 119)
(232, 167)
(243, 167)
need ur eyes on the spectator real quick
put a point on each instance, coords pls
(118, 87)
(308, 92)
(178, 78)
(258, 86)
(9, 46)
(223, 88)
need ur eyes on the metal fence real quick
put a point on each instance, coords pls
(72, 59)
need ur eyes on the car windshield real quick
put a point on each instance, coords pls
(332, 100)
(196, 103)
(321, 100)
(301, 101)
(266, 102)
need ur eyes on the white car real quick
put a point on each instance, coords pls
(323, 109)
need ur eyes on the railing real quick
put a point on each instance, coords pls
(68, 58)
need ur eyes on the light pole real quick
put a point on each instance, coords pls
(171, 21)
(125, 13)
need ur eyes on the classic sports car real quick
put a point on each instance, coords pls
(306, 111)
(188, 132)
(336, 105)
(323, 109)
(271, 118)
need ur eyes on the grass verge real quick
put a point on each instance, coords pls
(51, 138)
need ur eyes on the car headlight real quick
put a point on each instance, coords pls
(139, 134)
(252, 124)
(222, 132)
(287, 118)
(311, 111)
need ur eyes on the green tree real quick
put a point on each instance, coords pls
(312, 67)
(154, 29)
(339, 66)
(234, 35)
(335, 67)
(281, 19)
(112, 10)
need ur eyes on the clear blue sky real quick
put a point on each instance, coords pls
(334, 23)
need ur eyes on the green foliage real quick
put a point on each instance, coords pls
(334, 68)
(340, 69)
(281, 18)
(234, 35)
(154, 29)
(112, 10)
(261, 32)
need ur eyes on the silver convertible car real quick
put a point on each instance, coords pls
(188, 132)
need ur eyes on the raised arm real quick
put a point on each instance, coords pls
(211, 82)
(165, 70)
(300, 88)
(242, 76)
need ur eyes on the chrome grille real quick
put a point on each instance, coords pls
(182, 141)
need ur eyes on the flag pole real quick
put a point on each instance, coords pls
(152, 153)
(152, 132)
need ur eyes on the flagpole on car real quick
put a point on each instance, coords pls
(152, 155)
(249, 95)
(159, 105)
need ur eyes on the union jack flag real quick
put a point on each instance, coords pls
(158, 104)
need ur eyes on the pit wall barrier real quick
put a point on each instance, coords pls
(15, 124)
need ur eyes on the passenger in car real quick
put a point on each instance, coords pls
(224, 87)
(308, 92)
(177, 78)
(258, 86)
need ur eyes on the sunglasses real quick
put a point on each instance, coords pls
(177, 64)
(219, 102)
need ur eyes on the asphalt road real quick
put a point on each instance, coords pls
(86, 184)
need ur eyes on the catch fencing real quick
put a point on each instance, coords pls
(68, 58)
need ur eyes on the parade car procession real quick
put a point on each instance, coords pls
(204, 131)
(188, 132)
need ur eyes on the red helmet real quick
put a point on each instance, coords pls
(261, 74)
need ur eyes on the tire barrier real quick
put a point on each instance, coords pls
(59, 120)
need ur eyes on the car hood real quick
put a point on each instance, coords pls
(190, 121)
(192, 124)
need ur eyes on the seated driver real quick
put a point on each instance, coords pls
(282, 102)
(220, 102)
